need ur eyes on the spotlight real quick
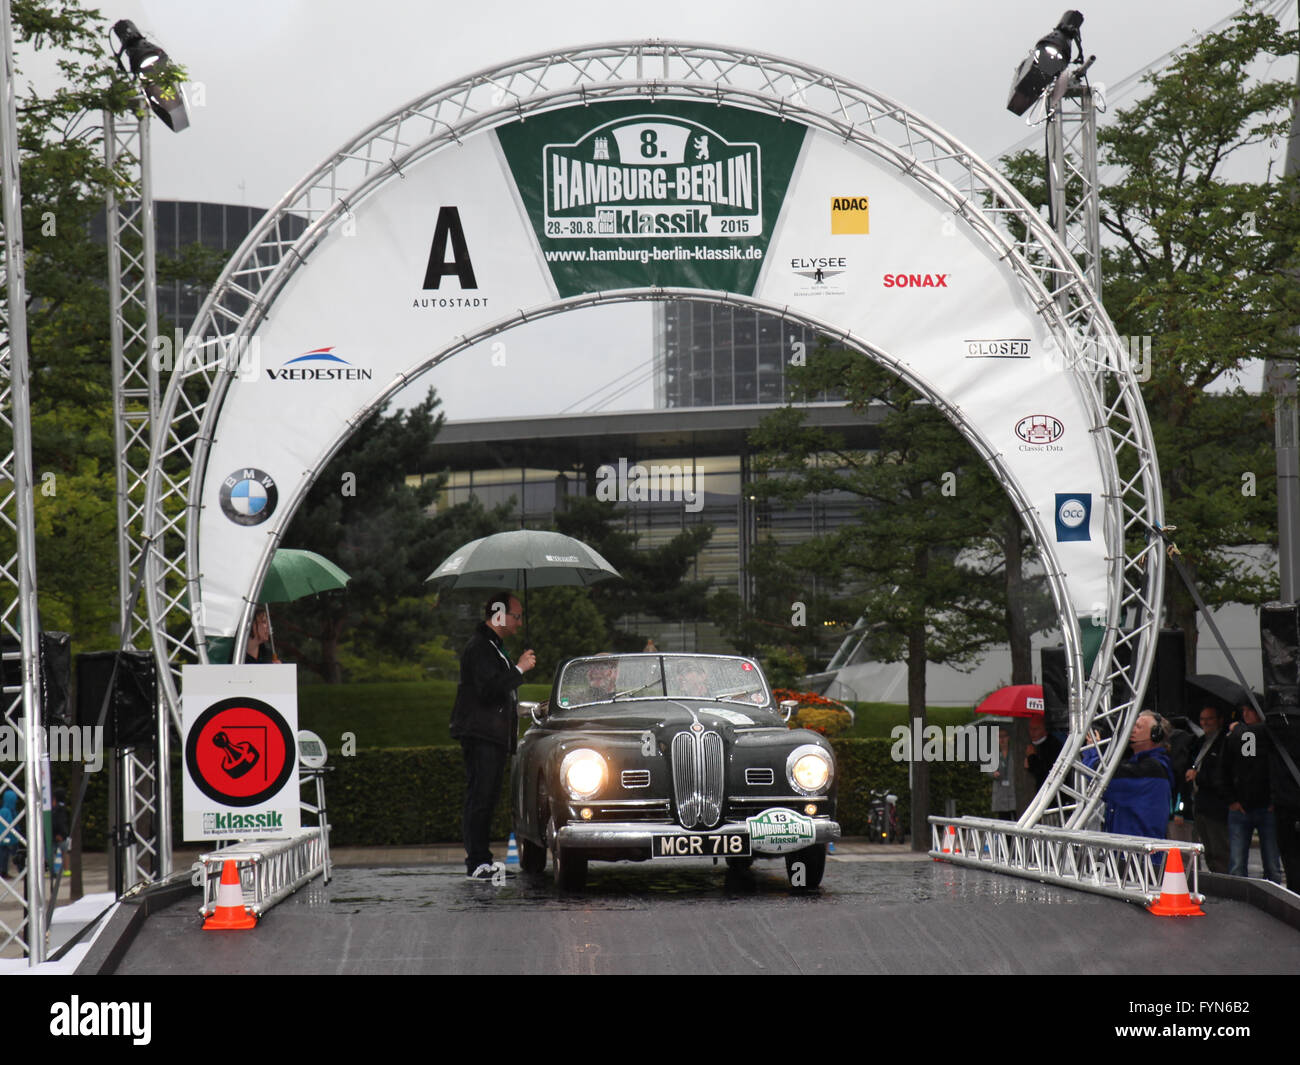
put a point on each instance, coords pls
(156, 73)
(1041, 67)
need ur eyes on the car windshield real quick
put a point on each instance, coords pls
(613, 678)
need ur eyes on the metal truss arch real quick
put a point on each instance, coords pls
(977, 196)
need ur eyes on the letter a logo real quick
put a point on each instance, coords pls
(459, 264)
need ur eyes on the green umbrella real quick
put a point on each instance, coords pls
(522, 559)
(294, 574)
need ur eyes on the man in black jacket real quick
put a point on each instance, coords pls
(1211, 794)
(485, 721)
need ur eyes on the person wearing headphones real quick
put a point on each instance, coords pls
(1139, 795)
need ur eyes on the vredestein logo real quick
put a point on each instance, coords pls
(319, 364)
(649, 175)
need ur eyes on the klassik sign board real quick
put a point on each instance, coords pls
(240, 758)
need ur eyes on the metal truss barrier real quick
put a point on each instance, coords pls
(1123, 867)
(269, 871)
(949, 172)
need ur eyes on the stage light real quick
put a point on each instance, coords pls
(156, 73)
(1041, 67)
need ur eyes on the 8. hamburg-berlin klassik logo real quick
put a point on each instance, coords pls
(650, 175)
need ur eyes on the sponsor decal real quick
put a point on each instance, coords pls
(1073, 516)
(219, 823)
(849, 215)
(241, 752)
(1040, 432)
(319, 364)
(449, 236)
(820, 272)
(779, 831)
(562, 558)
(1033, 702)
(635, 194)
(916, 280)
(1003, 348)
(651, 175)
(249, 496)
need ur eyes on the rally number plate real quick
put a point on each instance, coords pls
(702, 845)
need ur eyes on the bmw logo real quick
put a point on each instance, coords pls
(248, 496)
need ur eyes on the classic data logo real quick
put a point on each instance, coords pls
(1073, 516)
(1040, 432)
(249, 496)
(319, 364)
(650, 175)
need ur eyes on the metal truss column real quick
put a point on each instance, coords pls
(19, 619)
(132, 275)
(1072, 179)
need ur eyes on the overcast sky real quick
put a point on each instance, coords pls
(286, 82)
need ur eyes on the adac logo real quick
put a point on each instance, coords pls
(249, 496)
(850, 214)
(1040, 430)
(1073, 516)
(319, 364)
(240, 752)
(648, 175)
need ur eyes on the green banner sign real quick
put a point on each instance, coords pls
(671, 194)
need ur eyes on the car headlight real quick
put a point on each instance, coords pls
(583, 772)
(808, 769)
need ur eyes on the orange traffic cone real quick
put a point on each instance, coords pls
(949, 845)
(1174, 900)
(230, 913)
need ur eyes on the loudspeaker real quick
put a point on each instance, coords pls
(1279, 643)
(1165, 694)
(55, 673)
(1170, 674)
(132, 714)
(1056, 689)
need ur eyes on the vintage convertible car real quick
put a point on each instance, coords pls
(666, 756)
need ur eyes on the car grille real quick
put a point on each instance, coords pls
(698, 778)
(759, 776)
(636, 778)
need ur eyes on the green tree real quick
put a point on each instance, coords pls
(654, 583)
(922, 562)
(1200, 257)
(363, 515)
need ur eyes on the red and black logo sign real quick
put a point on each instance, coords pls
(240, 752)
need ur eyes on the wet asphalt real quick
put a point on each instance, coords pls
(895, 914)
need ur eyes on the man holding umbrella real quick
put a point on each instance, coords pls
(485, 721)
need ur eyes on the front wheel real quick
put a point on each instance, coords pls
(805, 868)
(532, 856)
(570, 868)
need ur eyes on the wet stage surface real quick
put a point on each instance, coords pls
(900, 914)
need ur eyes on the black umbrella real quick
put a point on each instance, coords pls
(1217, 691)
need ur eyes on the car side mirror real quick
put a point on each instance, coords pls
(536, 711)
(789, 706)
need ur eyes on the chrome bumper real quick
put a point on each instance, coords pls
(588, 836)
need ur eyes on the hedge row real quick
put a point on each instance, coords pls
(413, 795)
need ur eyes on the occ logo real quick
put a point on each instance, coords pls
(249, 496)
(1073, 514)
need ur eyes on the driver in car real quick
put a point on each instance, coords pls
(599, 682)
(692, 680)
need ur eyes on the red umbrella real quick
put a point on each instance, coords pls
(1019, 700)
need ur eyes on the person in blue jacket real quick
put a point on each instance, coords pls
(1139, 795)
(8, 835)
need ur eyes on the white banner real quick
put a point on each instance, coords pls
(240, 759)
